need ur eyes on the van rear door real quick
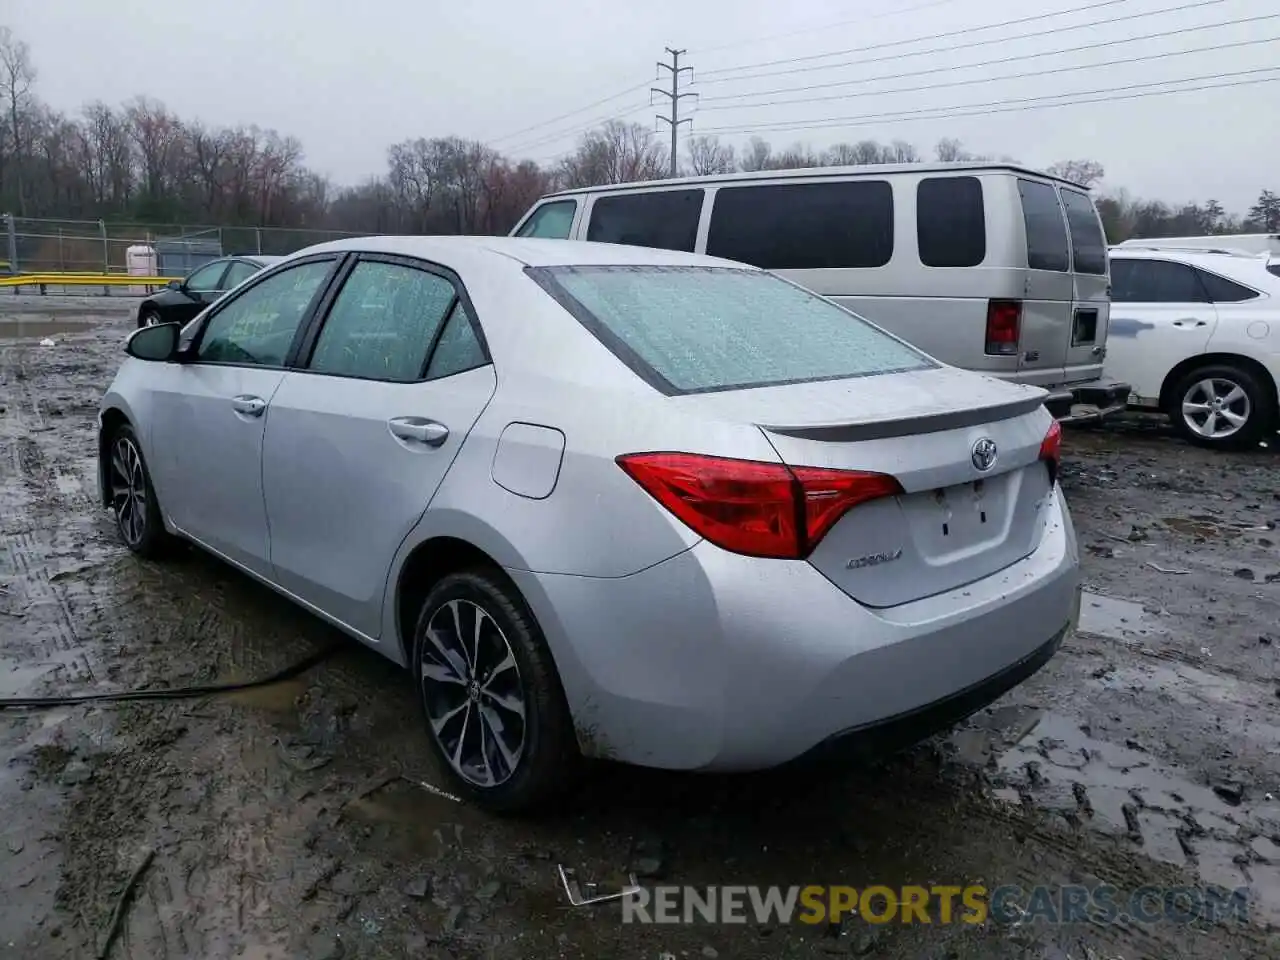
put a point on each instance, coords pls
(1045, 329)
(1091, 303)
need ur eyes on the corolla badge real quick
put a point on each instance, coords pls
(984, 454)
(874, 559)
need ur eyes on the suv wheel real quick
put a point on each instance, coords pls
(1221, 406)
(492, 699)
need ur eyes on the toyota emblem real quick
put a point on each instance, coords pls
(984, 454)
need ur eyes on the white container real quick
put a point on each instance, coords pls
(141, 261)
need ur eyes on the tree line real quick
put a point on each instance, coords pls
(139, 162)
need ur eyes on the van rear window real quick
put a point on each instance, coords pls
(666, 219)
(1046, 230)
(699, 329)
(804, 226)
(1088, 245)
(951, 223)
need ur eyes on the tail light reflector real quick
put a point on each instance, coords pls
(1004, 324)
(752, 508)
(1051, 450)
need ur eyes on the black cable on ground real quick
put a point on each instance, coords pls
(174, 693)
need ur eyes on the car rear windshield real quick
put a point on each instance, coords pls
(699, 329)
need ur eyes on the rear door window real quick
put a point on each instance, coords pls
(1088, 245)
(666, 219)
(1046, 230)
(1154, 281)
(951, 223)
(804, 226)
(551, 220)
(698, 329)
(1222, 290)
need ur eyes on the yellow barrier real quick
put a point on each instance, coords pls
(82, 280)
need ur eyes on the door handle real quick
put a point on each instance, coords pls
(1189, 322)
(419, 430)
(249, 405)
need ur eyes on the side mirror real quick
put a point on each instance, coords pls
(174, 285)
(154, 343)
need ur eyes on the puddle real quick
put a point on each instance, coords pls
(1198, 527)
(278, 697)
(1131, 796)
(23, 329)
(425, 816)
(1124, 620)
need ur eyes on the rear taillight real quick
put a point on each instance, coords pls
(1051, 450)
(752, 508)
(1004, 322)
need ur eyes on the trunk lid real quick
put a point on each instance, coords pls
(954, 523)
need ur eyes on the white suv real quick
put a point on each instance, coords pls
(1197, 334)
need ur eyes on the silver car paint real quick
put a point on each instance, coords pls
(672, 652)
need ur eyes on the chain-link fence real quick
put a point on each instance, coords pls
(37, 246)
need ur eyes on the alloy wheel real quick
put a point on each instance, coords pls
(1216, 408)
(473, 692)
(129, 490)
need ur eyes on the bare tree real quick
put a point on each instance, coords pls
(614, 153)
(17, 75)
(708, 155)
(758, 155)
(1087, 173)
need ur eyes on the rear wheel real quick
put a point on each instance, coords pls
(492, 699)
(133, 499)
(1221, 406)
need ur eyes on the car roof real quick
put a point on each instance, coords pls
(859, 172)
(464, 251)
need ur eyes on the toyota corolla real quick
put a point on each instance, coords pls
(604, 500)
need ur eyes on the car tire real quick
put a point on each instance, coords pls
(472, 700)
(149, 317)
(1236, 392)
(133, 499)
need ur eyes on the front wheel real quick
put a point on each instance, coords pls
(149, 317)
(133, 499)
(491, 696)
(1222, 406)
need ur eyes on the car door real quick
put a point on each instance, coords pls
(209, 412)
(359, 439)
(1160, 315)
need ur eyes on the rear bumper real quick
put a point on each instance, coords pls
(712, 661)
(1095, 400)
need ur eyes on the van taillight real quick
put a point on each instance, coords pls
(1004, 318)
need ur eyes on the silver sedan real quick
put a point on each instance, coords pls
(604, 500)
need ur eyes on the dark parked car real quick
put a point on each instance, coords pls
(181, 300)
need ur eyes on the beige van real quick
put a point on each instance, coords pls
(991, 267)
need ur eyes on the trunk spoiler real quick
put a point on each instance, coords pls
(846, 432)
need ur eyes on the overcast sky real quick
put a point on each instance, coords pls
(349, 78)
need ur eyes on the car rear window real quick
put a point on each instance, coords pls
(1088, 245)
(699, 329)
(1046, 230)
(804, 226)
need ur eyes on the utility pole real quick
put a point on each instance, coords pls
(674, 93)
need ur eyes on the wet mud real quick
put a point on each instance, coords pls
(304, 819)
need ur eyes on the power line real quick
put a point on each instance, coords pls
(984, 63)
(1009, 76)
(826, 26)
(1002, 106)
(595, 103)
(961, 46)
(544, 139)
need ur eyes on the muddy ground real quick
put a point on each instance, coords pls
(1147, 752)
